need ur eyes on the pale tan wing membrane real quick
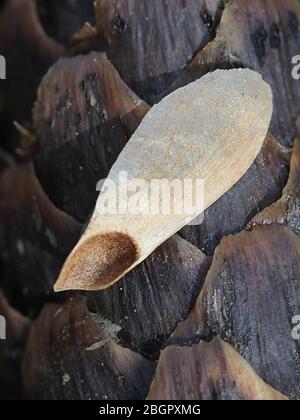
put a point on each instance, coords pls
(212, 130)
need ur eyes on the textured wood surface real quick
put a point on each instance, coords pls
(83, 117)
(157, 42)
(35, 237)
(262, 35)
(29, 52)
(207, 371)
(169, 281)
(250, 297)
(65, 337)
(251, 291)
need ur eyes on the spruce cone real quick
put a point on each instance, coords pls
(210, 314)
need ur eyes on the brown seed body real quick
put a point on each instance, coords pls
(101, 258)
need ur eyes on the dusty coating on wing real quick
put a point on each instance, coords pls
(193, 125)
(98, 261)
